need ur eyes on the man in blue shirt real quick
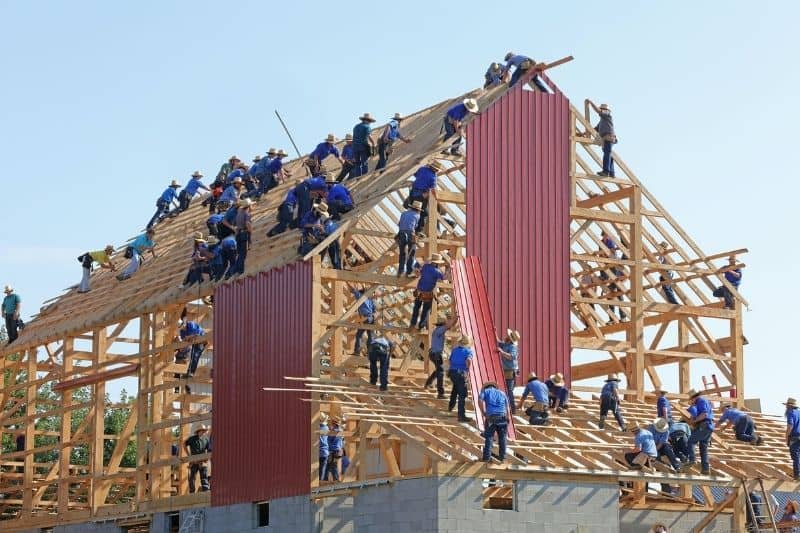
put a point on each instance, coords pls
(494, 76)
(663, 407)
(423, 187)
(366, 314)
(202, 255)
(313, 228)
(363, 145)
(436, 353)
(164, 202)
(460, 361)
(307, 191)
(454, 122)
(227, 226)
(743, 425)
(285, 213)
(348, 159)
(430, 275)
(538, 411)
(141, 244)
(321, 152)
(339, 200)
(390, 134)
(260, 172)
(494, 408)
(12, 304)
(508, 349)
(244, 228)
(190, 190)
(335, 450)
(793, 435)
(734, 277)
(232, 193)
(644, 447)
(379, 351)
(609, 401)
(194, 333)
(324, 451)
(334, 249)
(679, 434)
(212, 223)
(228, 250)
(558, 392)
(522, 64)
(406, 238)
(275, 173)
(660, 430)
(703, 429)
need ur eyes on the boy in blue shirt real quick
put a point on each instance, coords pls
(793, 435)
(424, 186)
(460, 361)
(136, 249)
(703, 422)
(734, 276)
(436, 353)
(192, 331)
(430, 275)
(679, 433)
(339, 200)
(660, 430)
(321, 152)
(557, 392)
(285, 213)
(454, 122)
(538, 411)
(522, 64)
(494, 408)
(164, 202)
(609, 401)
(508, 349)
(348, 159)
(743, 425)
(663, 407)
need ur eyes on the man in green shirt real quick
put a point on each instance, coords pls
(11, 306)
(197, 444)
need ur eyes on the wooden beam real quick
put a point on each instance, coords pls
(126, 370)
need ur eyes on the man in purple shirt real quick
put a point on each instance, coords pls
(453, 122)
(430, 275)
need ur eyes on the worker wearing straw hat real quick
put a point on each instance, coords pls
(733, 275)
(191, 188)
(609, 401)
(406, 238)
(198, 444)
(363, 145)
(390, 134)
(163, 203)
(494, 406)
(12, 304)
(557, 392)
(663, 407)
(508, 349)
(454, 123)
(744, 426)
(790, 517)
(276, 173)
(87, 260)
(793, 435)
(424, 186)
(323, 150)
(605, 129)
(348, 159)
(430, 275)
(660, 430)
(135, 252)
(436, 352)
(286, 216)
(665, 276)
(703, 422)
(244, 229)
(493, 76)
(335, 449)
(460, 361)
(379, 351)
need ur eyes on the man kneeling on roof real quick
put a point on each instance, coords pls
(644, 447)
(660, 430)
(87, 261)
(557, 392)
(538, 411)
(494, 408)
(135, 251)
(679, 433)
(743, 424)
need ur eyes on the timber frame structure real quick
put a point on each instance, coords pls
(129, 329)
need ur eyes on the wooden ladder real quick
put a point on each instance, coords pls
(762, 522)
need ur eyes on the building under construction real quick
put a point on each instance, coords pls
(519, 217)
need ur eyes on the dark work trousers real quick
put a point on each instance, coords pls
(518, 73)
(361, 153)
(723, 292)
(794, 453)
(335, 254)
(609, 403)
(669, 293)
(228, 259)
(223, 231)
(449, 131)
(495, 424)
(630, 456)
(337, 208)
(194, 360)
(561, 394)
(608, 158)
(323, 467)
(11, 327)
(285, 218)
(510, 382)
(346, 173)
(680, 444)
(377, 357)
(162, 208)
(459, 393)
(303, 193)
(438, 371)
(667, 451)
(360, 333)
(332, 470)
(194, 468)
(213, 229)
(384, 151)
(700, 436)
(242, 242)
(537, 417)
(407, 245)
(183, 200)
(415, 312)
(195, 274)
(745, 429)
(422, 197)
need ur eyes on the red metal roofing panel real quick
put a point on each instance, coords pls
(518, 220)
(261, 334)
(475, 318)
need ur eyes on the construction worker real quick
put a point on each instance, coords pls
(430, 275)
(338, 199)
(191, 188)
(605, 129)
(460, 361)
(244, 228)
(521, 64)
(609, 401)
(406, 238)
(286, 216)
(423, 187)
(309, 190)
(557, 392)
(213, 222)
(334, 249)
(232, 192)
(366, 314)
(743, 425)
(261, 173)
(538, 411)
(12, 304)
(227, 225)
(228, 250)
(239, 171)
(363, 145)
(666, 275)
(228, 167)
(390, 134)
(164, 202)
(324, 451)
(87, 260)
(494, 408)
(494, 76)
(703, 422)
(660, 431)
(135, 251)
(323, 150)
(793, 435)
(198, 444)
(335, 449)
(201, 258)
(454, 123)
(379, 351)
(790, 517)
(348, 159)
(734, 277)
(663, 407)
(193, 332)
(644, 447)
(436, 353)
(508, 349)
(679, 434)
(276, 173)
(312, 228)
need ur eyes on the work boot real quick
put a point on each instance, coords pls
(464, 419)
(759, 440)
(440, 396)
(602, 423)
(705, 471)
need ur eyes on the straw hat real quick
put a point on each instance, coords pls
(494, 67)
(8, 289)
(348, 137)
(109, 248)
(256, 159)
(322, 208)
(323, 418)
(660, 390)
(436, 166)
(331, 138)
(532, 376)
(663, 245)
(416, 205)
(281, 153)
(237, 179)
(509, 56)
(366, 117)
(175, 184)
(198, 236)
(272, 151)
(659, 528)
(635, 426)
(201, 427)
(442, 319)
(465, 340)
(471, 104)
(557, 378)
(234, 158)
(794, 506)
(513, 335)
(790, 402)
(604, 107)
(661, 424)
(398, 117)
(197, 174)
(725, 405)
(612, 377)
(489, 384)
(437, 259)
(693, 393)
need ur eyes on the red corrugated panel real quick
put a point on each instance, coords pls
(518, 220)
(262, 333)
(475, 319)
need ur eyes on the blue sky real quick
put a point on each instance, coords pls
(104, 102)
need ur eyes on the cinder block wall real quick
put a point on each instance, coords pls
(635, 521)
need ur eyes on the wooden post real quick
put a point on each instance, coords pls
(30, 431)
(635, 331)
(98, 424)
(66, 432)
(142, 402)
(737, 354)
(316, 332)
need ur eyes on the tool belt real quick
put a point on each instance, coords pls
(540, 406)
(526, 65)
(405, 237)
(496, 419)
(423, 296)
(509, 374)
